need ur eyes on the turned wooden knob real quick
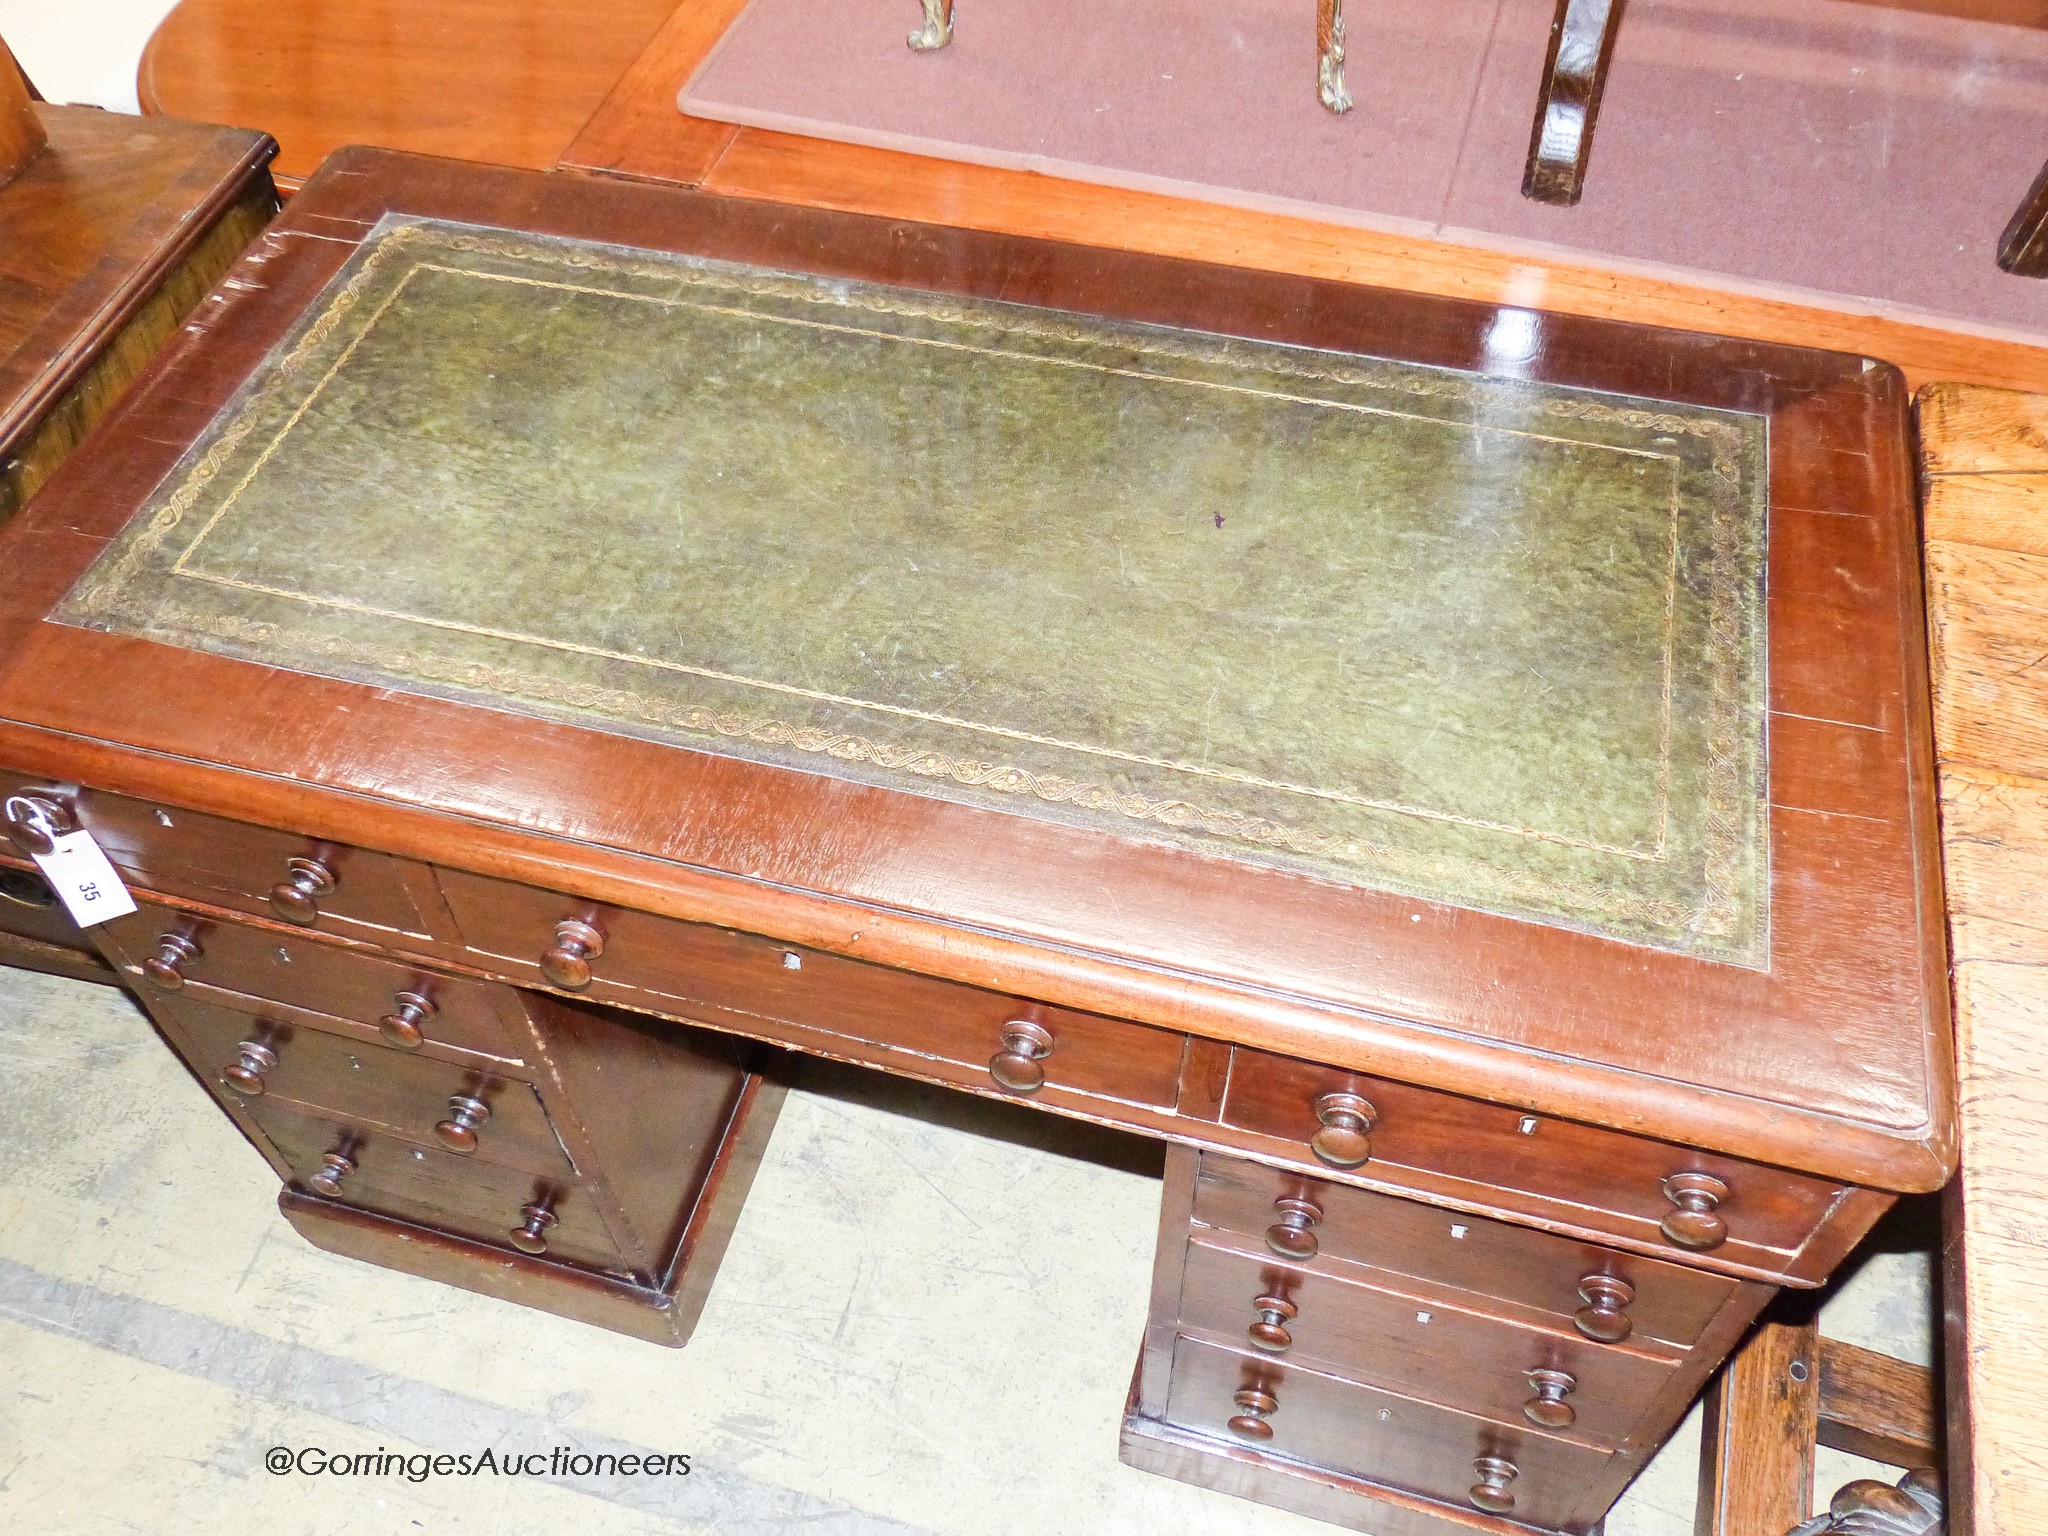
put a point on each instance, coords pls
(1016, 1066)
(1548, 1407)
(1490, 1493)
(1344, 1141)
(166, 968)
(35, 822)
(334, 1167)
(566, 963)
(458, 1131)
(1269, 1332)
(402, 1028)
(245, 1073)
(531, 1235)
(1291, 1236)
(1693, 1224)
(1254, 1406)
(296, 898)
(1602, 1317)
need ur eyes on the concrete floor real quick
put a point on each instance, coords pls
(926, 1323)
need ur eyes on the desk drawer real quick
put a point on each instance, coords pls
(1422, 1345)
(1444, 1146)
(245, 967)
(405, 1095)
(29, 908)
(1666, 1302)
(244, 868)
(645, 959)
(435, 1188)
(1363, 1432)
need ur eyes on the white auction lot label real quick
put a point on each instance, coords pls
(84, 881)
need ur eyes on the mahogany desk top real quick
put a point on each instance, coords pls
(1823, 1050)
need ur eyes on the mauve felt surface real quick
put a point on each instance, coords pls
(1851, 155)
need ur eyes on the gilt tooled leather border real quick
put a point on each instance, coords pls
(1730, 923)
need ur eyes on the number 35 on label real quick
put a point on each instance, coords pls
(84, 881)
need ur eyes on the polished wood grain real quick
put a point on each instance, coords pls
(1774, 1214)
(1533, 1270)
(1435, 1345)
(1327, 1422)
(406, 1095)
(231, 863)
(114, 232)
(22, 134)
(476, 79)
(1986, 456)
(647, 958)
(253, 968)
(638, 132)
(1756, 1463)
(429, 1186)
(662, 1313)
(1857, 975)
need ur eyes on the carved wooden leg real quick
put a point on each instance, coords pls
(1867, 1507)
(1330, 55)
(937, 30)
(1581, 45)
(2023, 248)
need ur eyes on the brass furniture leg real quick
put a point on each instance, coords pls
(937, 30)
(1575, 73)
(1330, 56)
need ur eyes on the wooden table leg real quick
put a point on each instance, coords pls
(1330, 56)
(2023, 248)
(1756, 1463)
(937, 30)
(1581, 46)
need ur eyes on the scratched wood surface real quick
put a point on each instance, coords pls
(1985, 453)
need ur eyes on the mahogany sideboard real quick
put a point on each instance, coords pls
(537, 634)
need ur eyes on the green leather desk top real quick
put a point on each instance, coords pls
(1493, 643)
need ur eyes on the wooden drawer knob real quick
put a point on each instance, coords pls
(1693, 1224)
(1345, 1140)
(531, 1235)
(1269, 1332)
(1548, 1407)
(465, 1115)
(245, 1073)
(35, 822)
(296, 898)
(1293, 1235)
(1016, 1066)
(1254, 1408)
(1603, 1317)
(334, 1167)
(402, 1028)
(166, 968)
(566, 963)
(1491, 1493)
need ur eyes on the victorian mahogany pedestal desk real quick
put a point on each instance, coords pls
(544, 633)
